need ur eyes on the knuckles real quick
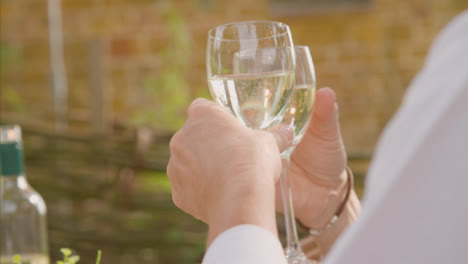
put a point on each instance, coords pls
(205, 110)
(199, 107)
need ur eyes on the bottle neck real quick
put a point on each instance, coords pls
(13, 182)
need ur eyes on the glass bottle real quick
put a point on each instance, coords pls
(23, 224)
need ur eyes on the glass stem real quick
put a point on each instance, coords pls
(293, 248)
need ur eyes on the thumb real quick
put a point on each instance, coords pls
(324, 121)
(283, 135)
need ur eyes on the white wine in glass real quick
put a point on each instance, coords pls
(251, 70)
(302, 101)
(255, 99)
(300, 109)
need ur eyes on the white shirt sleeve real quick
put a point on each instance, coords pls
(245, 244)
(415, 208)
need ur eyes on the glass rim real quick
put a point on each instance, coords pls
(279, 24)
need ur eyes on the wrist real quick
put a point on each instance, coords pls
(316, 246)
(330, 197)
(247, 204)
(320, 240)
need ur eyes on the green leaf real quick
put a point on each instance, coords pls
(73, 259)
(66, 252)
(60, 262)
(17, 259)
(98, 259)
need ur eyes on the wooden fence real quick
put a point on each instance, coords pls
(110, 192)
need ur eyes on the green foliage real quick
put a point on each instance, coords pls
(68, 257)
(174, 235)
(152, 180)
(17, 259)
(203, 92)
(9, 55)
(14, 100)
(178, 49)
(98, 258)
(168, 91)
(169, 97)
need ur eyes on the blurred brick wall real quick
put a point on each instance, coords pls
(368, 55)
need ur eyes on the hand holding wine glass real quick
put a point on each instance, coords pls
(215, 185)
(251, 69)
(318, 165)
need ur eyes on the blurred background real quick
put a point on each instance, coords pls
(99, 86)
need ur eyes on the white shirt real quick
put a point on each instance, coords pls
(415, 209)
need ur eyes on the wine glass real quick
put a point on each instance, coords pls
(251, 70)
(297, 116)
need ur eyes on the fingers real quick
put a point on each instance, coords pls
(321, 153)
(283, 135)
(324, 123)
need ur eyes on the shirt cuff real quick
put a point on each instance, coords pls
(245, 244)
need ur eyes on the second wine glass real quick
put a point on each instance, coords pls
(297, 116)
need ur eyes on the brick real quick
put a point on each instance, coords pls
(72, 5)
(123, 46)
(35, 50)
(352, 51)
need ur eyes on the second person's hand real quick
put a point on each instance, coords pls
(318, 166)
